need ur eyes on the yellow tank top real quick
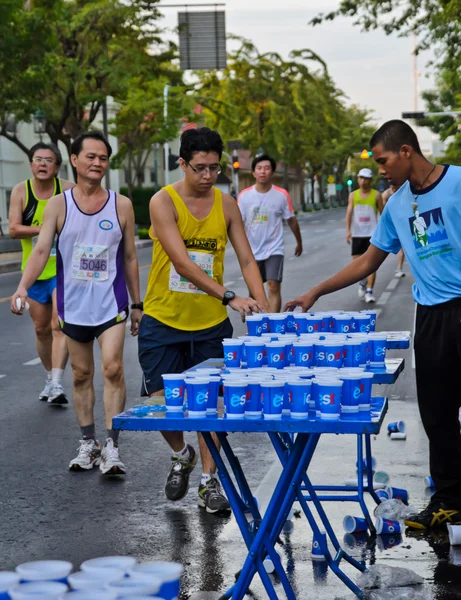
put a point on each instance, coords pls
(173, 299)
(32, 215)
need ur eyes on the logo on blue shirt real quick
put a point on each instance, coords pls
(428, 228)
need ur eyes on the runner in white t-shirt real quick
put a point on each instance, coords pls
(264, 207)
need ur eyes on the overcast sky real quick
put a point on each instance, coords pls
(374, 70)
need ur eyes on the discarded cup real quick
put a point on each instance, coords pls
(386, 542)
(398, 436)
(397, 494)
(454, 534)
(354, 524)
(429, 482)
(173, 384)
(387, 526)
(396, 427)
(382, 495)
(316, 551)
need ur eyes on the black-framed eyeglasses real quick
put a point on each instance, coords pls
(214, 169)
(38, 160)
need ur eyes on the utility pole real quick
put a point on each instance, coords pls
(166, 145)
(105, 127)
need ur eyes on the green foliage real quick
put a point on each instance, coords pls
(140, 197)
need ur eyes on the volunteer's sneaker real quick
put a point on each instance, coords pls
(434, 515)
(45, 393)
(369, 297)
(399, 273)
(89, 456)
(110, 460)
(212, 498)
(177, 482)
(57, 395)
(362, 290)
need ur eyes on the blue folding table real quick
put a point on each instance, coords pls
(295, 453)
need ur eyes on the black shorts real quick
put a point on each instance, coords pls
(360, 245)
(164, 349)
(87, 333)
(271, 269)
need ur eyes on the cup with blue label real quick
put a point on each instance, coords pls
(355, 524)
(197, 396)
(343, 323)
(387, 526)
(333, 353)
(299, 393)
(329, 393)
(352, 353)
(367, 384)
(277, 323)
(235, 398)
(272, 396)
(363, 323)
(254, 324)
(378, 343)
(232, 352)
(290, 323)
(314, 323)
(255, 354)
(351, 392)
(173, 384)
(300, 323)
(253, 406)
(275, 352)
(213, 395)
(303, 354)
(373, 318)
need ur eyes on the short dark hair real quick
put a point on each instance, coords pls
(393, 135)
(77, 144)
(262, 157)
(42, 146)
(201, 139)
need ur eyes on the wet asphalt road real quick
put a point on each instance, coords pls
(46, 511)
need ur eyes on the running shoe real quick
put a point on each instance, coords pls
(45, 393)
(57, 395)
(369, 297)
(399, 273)
(362, 290)
(212, 498)
(434, 515)
(89, 456)
(177, 482)
(110, 460)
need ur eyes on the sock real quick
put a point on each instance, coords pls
(363, 283)
(57, 375)
(369, 290)
(49, 375)
(184, 454)
(113, 435)
(205, 478)
(88, 432)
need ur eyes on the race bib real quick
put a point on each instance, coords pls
(365, 220)
(53, 247)
(90, 262)
(178, 283)
(260, 217)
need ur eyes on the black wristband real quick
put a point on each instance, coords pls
(139, 305)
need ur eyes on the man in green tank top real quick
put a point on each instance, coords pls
(28, 201)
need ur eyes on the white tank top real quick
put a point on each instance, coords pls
(91, 288)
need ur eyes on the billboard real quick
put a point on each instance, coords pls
(202, 40)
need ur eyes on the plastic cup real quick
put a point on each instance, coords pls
(300, 323)
(342, 323)
(197, 396)
(173, 384)
(213, 395)
(254, 324)
(37, 590)
(303, 354)
(314, 323)
(387, 526)
(8, 579)
(334, 353)
(299, 394)
(316, 552)
(124, 563)
(255, 354)
(373, 318)
(169, 574)
(385, 542)
(330, 398)
(351, 392)
(290, 323)
(382, 495)
(362, 322)
(396, 427)
(147, 584)
(327, 322)
(378, 343)
(320, 355)
(429, 482)
(253, 406)
(93, 580)
(277, 323)
(365, 398)
(44, 570)
(351, 354)
(398, 494)
(235, 398)
(354, 524)
(275, 352)
(94, 595)
(272, 396)
(232, 352)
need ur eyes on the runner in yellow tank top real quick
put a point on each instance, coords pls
(185, 317)
(28, 201)
(361, 219)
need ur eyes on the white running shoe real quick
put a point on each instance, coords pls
(369, 297)
(110, 460)
(399, 273)
(361, 291)
(45, 394)
(57, 395)
(89, 456)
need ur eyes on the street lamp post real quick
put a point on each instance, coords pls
(166, 145)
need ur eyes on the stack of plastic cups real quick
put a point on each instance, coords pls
(284, 377)
(351, 392)
(232, 352)
(275, 352)
(272, 395)
(253, 406)
(235, 397)
(373, 318)
(8, 579)
(364, 348)
(255, 351)
(198, 389)
(343, 323)
(300, 323)
(352, 353)
(290, 324)
(365, 398)
(314, 323)
(277, 323)
(329, 392)
(378, 343)
(333, 353)
(290, 340)
(244, 339)
(255, 324)
(299, 393)
(213, 395)
(168, 573)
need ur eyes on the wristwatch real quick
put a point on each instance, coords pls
(228, 297)
(139, 305)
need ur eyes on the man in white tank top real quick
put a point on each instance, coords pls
(96, 261)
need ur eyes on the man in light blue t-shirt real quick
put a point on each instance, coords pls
(424, 219)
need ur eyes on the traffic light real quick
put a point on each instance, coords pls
(236, 166)
(173, 161)
(349, 182)
(370, 153)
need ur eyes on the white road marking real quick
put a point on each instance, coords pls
(2, 376)
(392, 284)
(292, 257)
(383, 298)
(36, 361)
(241, 277)
(316, 221)
(320, 230)
(378, 311)
(227, 283)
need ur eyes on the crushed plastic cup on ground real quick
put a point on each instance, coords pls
(395, 510)
(385, 576)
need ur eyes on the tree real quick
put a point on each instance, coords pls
(70, 55)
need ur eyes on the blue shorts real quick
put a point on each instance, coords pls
(164, 349)
(42, 290)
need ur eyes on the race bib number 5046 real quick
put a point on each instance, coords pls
(90, 262)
